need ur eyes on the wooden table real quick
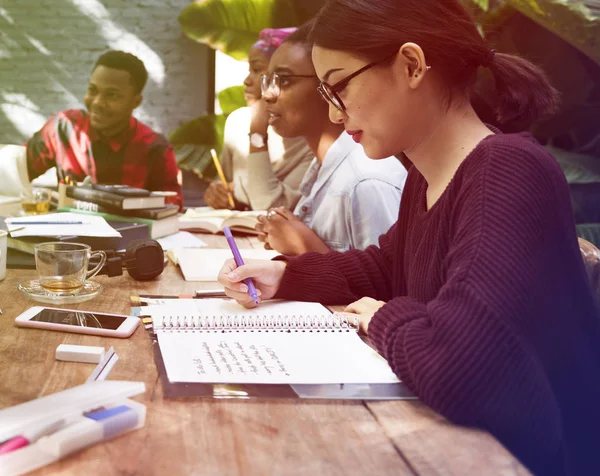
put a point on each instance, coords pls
(228, 437)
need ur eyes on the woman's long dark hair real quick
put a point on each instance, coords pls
(452, 45)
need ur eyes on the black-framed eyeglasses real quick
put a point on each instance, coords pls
(274, 82)
(330, 93)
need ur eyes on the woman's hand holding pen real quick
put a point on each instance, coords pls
(216, 195)
(364, 309)
(266, 275)
(283, 231)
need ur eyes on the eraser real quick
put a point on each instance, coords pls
(79, 353)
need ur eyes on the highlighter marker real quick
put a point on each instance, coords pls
(30, 437)
(90, 429)
(240, 262)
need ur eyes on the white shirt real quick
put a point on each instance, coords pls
(263, 179)
(350, 200)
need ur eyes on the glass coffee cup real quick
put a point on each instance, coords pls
(63, 267)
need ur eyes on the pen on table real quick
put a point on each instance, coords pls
(240, 262)
(29, 437)
(157, 298)
(213, 154)
(70, 222)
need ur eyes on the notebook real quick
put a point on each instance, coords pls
(204, 264)
(213, 221)
(279, 342)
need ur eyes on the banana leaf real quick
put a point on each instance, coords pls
(205, 130)
(231, 99)
(232, 26)
(193, 140)
(575, 21)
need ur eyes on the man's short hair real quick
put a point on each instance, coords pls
(125, 62)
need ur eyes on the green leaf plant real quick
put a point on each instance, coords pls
(232, 26)
(193, 140)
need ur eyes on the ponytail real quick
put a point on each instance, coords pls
(524, 93)
(452, 45)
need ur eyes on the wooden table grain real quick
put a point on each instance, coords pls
(230, 437)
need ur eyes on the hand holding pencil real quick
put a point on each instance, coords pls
(215, 159)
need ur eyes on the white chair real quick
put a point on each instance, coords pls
(14, 178)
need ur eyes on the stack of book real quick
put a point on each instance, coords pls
(26, 232)
(121, 204)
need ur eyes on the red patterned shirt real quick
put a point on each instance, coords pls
(138, 156)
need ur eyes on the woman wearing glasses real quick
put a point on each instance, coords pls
(348, 200)
(266, 176)
(477, 296)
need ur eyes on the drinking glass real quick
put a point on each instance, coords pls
(63, 267)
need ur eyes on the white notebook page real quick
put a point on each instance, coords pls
(253, 356)
(272, 357)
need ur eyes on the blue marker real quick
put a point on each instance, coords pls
(240, 262)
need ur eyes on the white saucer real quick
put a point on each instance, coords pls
(34, 291)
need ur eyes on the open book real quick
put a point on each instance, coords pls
(279, 342)
(213, 221)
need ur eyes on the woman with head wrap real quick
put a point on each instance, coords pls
(263, 170)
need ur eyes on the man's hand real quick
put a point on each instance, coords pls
(284, 232)
(364, 309)
(216, 195)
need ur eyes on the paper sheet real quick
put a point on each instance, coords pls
(228, 307)
(182, 239)
(91, 225)
(204, 264)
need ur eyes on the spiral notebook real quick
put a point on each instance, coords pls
(291, 345)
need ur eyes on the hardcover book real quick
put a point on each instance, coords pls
(150, 213)
(156, 228)
(112, 200)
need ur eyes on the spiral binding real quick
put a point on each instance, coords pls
(261, 323)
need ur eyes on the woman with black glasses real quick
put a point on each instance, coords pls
(477, 296)
(258, 177)
(348, 200)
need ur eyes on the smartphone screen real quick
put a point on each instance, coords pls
(79, 318)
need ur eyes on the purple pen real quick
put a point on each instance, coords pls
(240, 262)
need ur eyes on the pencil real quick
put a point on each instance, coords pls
(213, 153)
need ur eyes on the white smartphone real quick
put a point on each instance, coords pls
(80, 322)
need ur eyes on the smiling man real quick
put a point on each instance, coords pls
(105, 141)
